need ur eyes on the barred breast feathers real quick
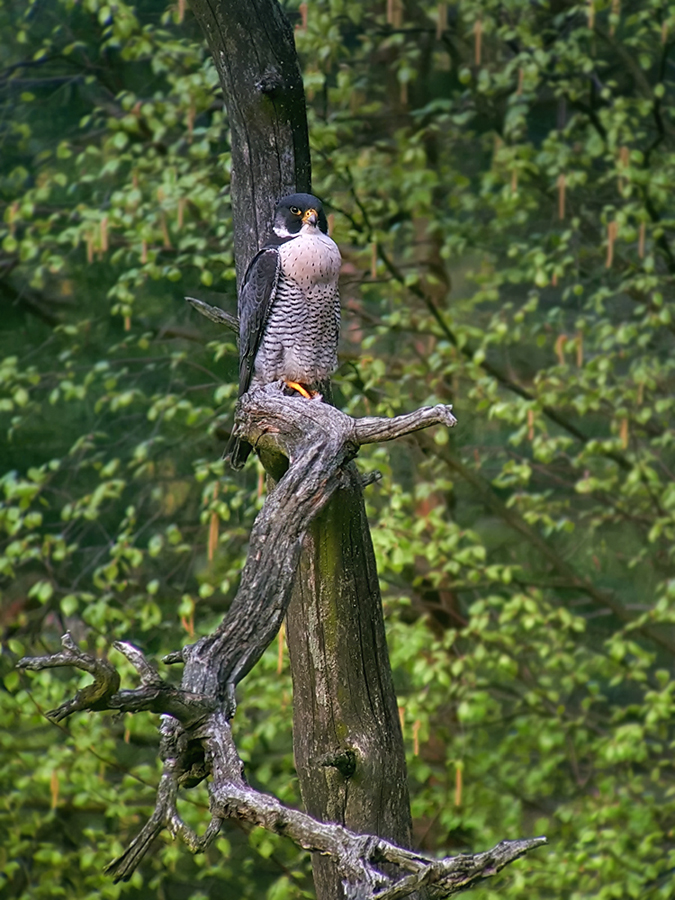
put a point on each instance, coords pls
(311, 259)
(301, 336)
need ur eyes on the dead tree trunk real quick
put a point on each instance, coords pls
(310, 542)
(346, 733)
(195, 736)
(253, 48)
(348, 745)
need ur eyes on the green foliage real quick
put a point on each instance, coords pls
(500, 179)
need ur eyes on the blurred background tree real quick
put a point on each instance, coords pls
(500, 179)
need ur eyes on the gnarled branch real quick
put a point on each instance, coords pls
(195, 737)
(319, 441)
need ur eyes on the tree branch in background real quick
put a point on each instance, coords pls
(511, 516)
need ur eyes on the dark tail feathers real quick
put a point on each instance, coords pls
(237, 452)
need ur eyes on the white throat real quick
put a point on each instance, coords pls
(283, 232)
(307, 230)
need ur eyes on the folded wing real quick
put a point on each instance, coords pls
(255, 303)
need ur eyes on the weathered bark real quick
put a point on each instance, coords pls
(346, 732)
(348, 745)
(359, 858)
(254, 52)
(195, 736)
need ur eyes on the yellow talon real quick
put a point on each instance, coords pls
(299, 388)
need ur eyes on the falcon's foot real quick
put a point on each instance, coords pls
(301, 389)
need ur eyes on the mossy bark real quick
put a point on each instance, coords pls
(348, 743)
(347, 736)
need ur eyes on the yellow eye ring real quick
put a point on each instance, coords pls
(295, 210)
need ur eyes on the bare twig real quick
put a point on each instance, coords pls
(95, 696)
(154, 695)
(215, 314)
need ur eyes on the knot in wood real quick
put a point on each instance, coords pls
(344, 760)
(270, 82)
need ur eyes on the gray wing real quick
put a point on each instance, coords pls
(255, 303)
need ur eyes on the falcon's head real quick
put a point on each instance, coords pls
(299, 212)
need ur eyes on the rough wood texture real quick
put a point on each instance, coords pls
(347, 736)
(254, 52)
(215, 314)
(196, 740)
(335, 631)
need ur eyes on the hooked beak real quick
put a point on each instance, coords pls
(311, 217)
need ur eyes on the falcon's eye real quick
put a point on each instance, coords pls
(295, 210)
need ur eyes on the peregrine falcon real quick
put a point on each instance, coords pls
(289, 307)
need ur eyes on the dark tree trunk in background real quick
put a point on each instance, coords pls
(348, 744)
